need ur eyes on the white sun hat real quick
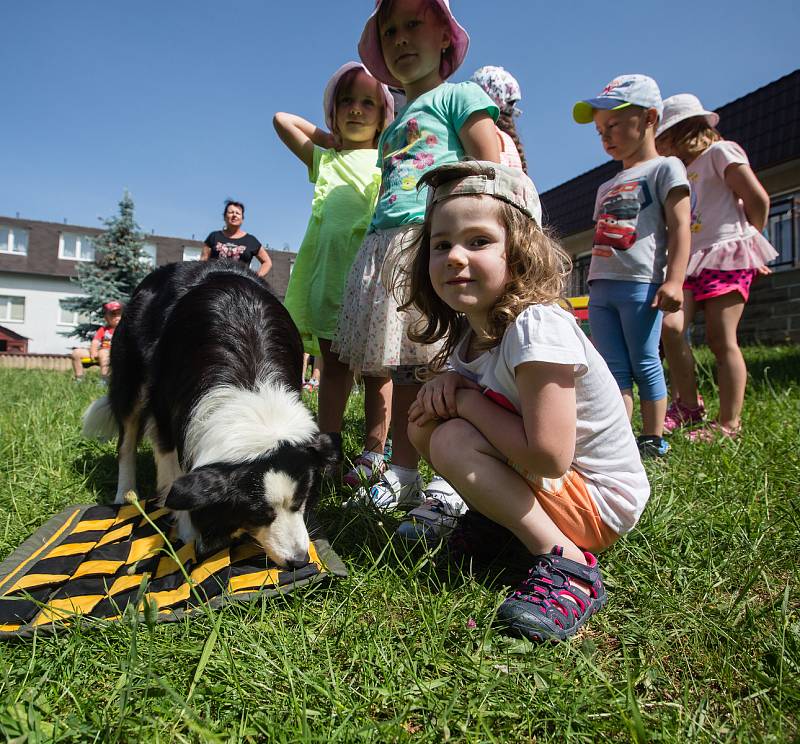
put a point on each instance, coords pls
(684, 106)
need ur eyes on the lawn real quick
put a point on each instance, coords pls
(700, 640)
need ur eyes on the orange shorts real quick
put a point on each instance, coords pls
(569, 504)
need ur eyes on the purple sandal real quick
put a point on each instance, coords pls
(547, 605)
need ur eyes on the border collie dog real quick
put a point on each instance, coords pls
(206, 361)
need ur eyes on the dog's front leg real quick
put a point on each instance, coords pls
(126, 456)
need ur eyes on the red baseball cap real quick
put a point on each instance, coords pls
(111, 306)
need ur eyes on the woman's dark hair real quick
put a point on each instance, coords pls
(505, 122)
(231, 203)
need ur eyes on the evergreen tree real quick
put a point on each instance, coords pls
(117, 269)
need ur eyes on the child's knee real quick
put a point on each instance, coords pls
(452, 441)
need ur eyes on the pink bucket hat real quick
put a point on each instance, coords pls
(329, 100)
(369, 48)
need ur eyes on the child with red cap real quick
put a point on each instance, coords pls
(99, 351)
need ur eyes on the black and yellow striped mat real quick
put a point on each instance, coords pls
(94, 561)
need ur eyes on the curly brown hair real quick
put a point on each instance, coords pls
(690, 138)
(536, 261)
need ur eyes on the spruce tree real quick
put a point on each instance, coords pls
(117, 269)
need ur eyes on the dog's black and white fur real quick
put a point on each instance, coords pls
(206, 362)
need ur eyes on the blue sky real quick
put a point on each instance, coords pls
(173, 100)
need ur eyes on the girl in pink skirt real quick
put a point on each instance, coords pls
(729, 210)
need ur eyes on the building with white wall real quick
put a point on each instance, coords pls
(37, 265)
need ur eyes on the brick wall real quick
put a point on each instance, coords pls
(772, 315)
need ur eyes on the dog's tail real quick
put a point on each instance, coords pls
(99, 421)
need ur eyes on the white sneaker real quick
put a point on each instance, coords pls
(436, 516)
(388, 493)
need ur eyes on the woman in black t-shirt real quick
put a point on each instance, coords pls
(234, 243)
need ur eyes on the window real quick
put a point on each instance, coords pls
(783, 230)
(70, 317)
(148, 256)
(75, 247)
(190, 253)
(576, 281)
(13, 240)
(12, 309)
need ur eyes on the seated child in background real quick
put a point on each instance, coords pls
(528, 425)
(730, 207)
(342, 166)
(99, 351)
(640, 249)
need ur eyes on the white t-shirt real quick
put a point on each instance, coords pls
(606, 455)
(630, 236)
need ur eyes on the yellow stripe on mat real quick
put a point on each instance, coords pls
(70, 549)
(29, 580)
(97, 567)
(59, 609)
(144, 548)
(10, 628)
(118, 534)
(246, 582)
(153, 516)
(94, 525)
(60, 531)
(123, 583)
(164, 599)
(167, 565)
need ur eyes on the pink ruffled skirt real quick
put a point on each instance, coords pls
(371, 335)
(747, 252)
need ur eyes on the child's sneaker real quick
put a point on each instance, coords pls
(435, 517)
(311, 384)
(388, 493)
(651, 446)
(547, 605)
(364, 471)
(679, 415)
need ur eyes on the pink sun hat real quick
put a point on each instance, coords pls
(329, 101)
(369, 47)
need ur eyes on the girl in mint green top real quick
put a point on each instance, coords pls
(341, 165)
(414, 45)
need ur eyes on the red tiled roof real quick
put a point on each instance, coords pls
(766, 123)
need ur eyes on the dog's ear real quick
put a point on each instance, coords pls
(201, 487)
(324, 451)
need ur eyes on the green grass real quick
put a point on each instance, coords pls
(700, 640)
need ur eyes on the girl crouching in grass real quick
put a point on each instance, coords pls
(527, 424)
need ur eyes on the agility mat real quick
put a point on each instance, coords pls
(93, 562)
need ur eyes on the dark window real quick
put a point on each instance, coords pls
(3, 345)
(783, 230)
(576, 283)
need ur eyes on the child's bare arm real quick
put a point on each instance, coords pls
(677, 213)
(542, 440)
(94, 349)
(479, 137)
(437, 398)
(300, 136)
(740, 179)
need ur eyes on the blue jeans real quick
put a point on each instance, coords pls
(626, 332)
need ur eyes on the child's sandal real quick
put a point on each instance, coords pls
(713, 431)
(547, 605)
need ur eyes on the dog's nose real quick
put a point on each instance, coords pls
(295, 563)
